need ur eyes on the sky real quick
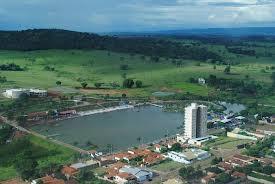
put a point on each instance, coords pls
(134, 15)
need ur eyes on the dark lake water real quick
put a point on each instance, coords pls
(119, 128)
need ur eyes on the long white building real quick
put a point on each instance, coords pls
(195, 121)
(16, 93)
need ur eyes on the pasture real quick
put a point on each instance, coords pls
(72, 67)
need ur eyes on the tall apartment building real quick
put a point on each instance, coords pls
(195, 121)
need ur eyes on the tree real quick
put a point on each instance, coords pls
(124, 75)
(26, 168)
(223, 178)
(139, 139)
(3, 79)
(216, 160)
(98, 85)
(155, 59)
(138, 84)
(128, 83)
(85, 175)
(176, 147)
(187, 172)
(58, 83)
(84, 84)
(214, 67)
(227, 69)
(273, 76)
(124, 67)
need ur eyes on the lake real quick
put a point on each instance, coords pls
(119, 128)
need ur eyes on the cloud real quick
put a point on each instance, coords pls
(133, 15)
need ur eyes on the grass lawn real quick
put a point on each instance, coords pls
(7, 173)
(167, 166)
(193, 88)
(100, 171)
(226, 142)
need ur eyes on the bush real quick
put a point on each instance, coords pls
(138, 84)
(124, 67)
(128, 83)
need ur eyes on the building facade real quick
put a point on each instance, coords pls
(195, 121)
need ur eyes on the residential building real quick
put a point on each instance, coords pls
(91, 164)
(195, 124)
(201, 81)
(141, 175)
(69, 172)
(158, 148)
(48, 180)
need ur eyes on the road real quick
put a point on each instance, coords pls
(14, 124)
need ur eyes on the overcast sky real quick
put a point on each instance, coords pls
(134, 15)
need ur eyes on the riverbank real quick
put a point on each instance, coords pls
(104, 110)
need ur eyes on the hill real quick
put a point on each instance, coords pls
(44, 39)
(233, 32)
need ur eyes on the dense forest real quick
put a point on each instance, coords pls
(40, 39)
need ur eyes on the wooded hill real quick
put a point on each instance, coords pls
(43, 39)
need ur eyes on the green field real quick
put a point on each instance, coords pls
(73, 66)
(7, 173)
(226, 143)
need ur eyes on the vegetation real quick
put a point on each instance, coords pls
(223, 178)
(31, 157)
(190, 172)
(216, 160)
(261, 148)
(257, 170)
(10, 67)
(5, 133)
(60, 39)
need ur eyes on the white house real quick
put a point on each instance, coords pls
(178, 157)
(201, 81)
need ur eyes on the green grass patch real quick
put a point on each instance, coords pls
(226, 142)
(167, 166)
(7, 173)
(193, 88)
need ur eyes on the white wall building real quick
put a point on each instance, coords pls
(38, 92)
(14, 93)
(178, 157)
(195, 121)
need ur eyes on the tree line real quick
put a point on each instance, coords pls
(10, 67)
(41, 39)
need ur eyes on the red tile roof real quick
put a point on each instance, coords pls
(238, 174)
(51, 180)
(69, 170)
